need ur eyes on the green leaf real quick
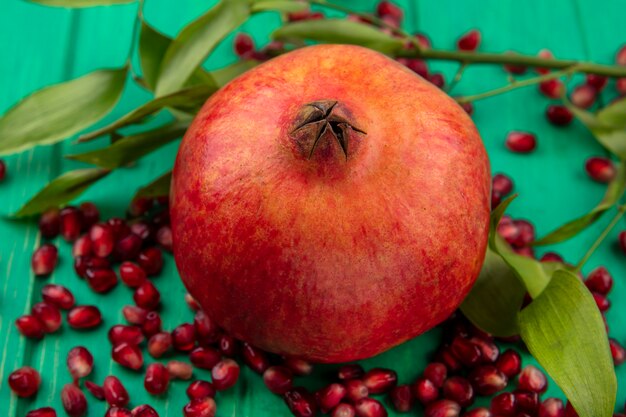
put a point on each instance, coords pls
(196, 41)
(158, 188)
(496, 216)
(496, 298)
(614, 114)
(55, 113)
(61, 190)
(80, 3)
(612, 137)
(283, 6)
(564, 331)
(189, 98)
(339, 31)
(130, 148)
(614, 192)
(224, 75)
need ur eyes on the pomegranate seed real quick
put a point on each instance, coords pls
(151, 260)
(243, 45)
(119, 228)
(621, 238)
(526, 233)
(300, 402)
(205, 357)
(449, 359)
(553, 88)
(343, 410)
(159, 344)
(467, 352)
(50, 223)
(620, 57)
(114, 392)
(552, 257)
(125, 334)
(418, 66)
(379, 380)
(526, 401)
(164, 237)
(437, 79)
(468, 107)
(488, 379)
(128, 356)
(225, 374)
(152, 324)
(401, 398)
(583, 96)
(74, 401)
(532, 379)
(101, 280)
(42, 412)
(442, 408)
(135, 315)
(617, 351)
(600, 169)
(459, 390)
(436, 373)
(620, 86)
(278, 379)
(180, 370)
(79, 362)
(489, 351)
(127, 248)
(559, 115)
(206, 330)
(184, 337)
(157, 379)
(192, 303)
(527, 252)
(228, 345)
(147, 296)
(139, 206)
(423, 40)
(131, 274)
(83, 263)
(58, 295)
(521, 142)
(118, 412)
(89, 213)
(102, 239)
(44, 259)
(143, 230)
(469, 41)
(478, 412)
(82, 246)
(30, 327)
(351, 371)
(599, 280)
(514, 69)
(509, 363)
(144, 410)
(369, 407)
(255, 358)
(388, 9)
(545, 54)
(551, 407)
(355, 390)
(48, 315)
(200, 389)
(601, 301)
(96, 390)
(328, 397)
(200, 407)
(70, 223)
(598, 82)
(84, 317)
(24, 381)
(570, 411)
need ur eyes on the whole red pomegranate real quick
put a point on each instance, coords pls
(330, 204)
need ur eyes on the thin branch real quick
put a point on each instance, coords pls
(620, 212)
(457, 77)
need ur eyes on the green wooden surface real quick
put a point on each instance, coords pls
(40, 46)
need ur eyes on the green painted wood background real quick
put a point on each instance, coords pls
(40, 46)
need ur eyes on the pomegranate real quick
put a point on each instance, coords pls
(344, 214)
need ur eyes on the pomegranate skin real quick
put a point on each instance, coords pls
(325, 255)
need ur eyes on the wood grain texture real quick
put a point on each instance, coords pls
(42, 45)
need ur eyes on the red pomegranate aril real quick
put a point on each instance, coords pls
(351, 371)
(553, 88)
(468, 107)
(503, 404)
(489, 351)
(152, 324)
(467, 352)
(526, 233)
(380, 380)
(521, 142)
(74, 401)
(144, 410)
(532, 379)
(600, 169)
(128, 356)
(139, 206)
(501, 184)
(402, 398)
(84, 317)
(96, 390)
(228, 345)
(42, 412)
(599, 280)
(82, 246)
(343, 410)
(24, 381)
(205, 357)
(596, 81)
(355, 390)
(225, 374)
(151, 260)
(279, 379)
(147, 296)
(164, 237)
(101, 280)
(469, 41)
(255, 358)
(620, 56)
(159, 344)
(551, 257)
(488, 380)
(44, 259)
(200, 389)
(621, 239)
(478, 412)
(423, 40)
(551, 407)
(115, 393)
(70, 223)
(436, 373)
(418, 66)
(526, 401)
(449, 359)
(83, 263)
(200, 407)
(509, 363)
(180, 370)
(583, 96)
(48, 315)
(206, 330)
(125, 334)
(369, 407)
(243, 45)
(617, 352)
(50, 223)
(570, 411)
(79, 362)
(192, 303)
(298, 366)
(135, 315)
(559, 115)
(620, 86)
(157, 379)
(127, 248)
(437, 79)
(301, 403)
(143, 230)
(30, 327)
(102, 239)
(184, 337)
(118, 412)
(328, 397)
(442, 408)
(119, 227)
(388, 9)
(58, 296)
(459, 390)
(89, 213)
(601, 301)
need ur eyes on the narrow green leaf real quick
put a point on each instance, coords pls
(158, 188)
(614, 114)
(339, 31)
(196, 41)
(564, 331)
(224, 75)
(612, 137)
(496, 216)
(613, 193)
(80, 3)
(283, 6)
(61, 190)
(189, 98)
(130, 148)
(55, 113)
(496, 298)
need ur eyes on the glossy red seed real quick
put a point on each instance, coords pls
(596, 81)
(355, 390)
(551, 407)
(469, 41)
(278, 379)
(82, 246)
(101, 280)
(228, 345)
(179, 370)
(24, 381)
(599, 280)
(50, 223)
(468, 107)
(442, 408)
(620, 56)
(478, 412)
(143, 230)
(601, 301)
(436, 373)
(200, 389)
(343, 410)
(102, 239)
(402, 398)
(206, 331)
(600, 169)
(115, 393)
(118, 412)
(30, 327)
(551, 257)
(44, 259)
(620, 86)
(125, 334)
(243, 45)
(164, 237)
(503, 404)
(487, 379)
(119, 227)
(184, 337)
(205, 357)
(135, 315)
(84, 317)
(521, 142)
(425, 391)
(418, 66)
(74, 401)
(559, 115)
(526, 401)
(553, 88)
(48, 315)
(192, 303)
(151, 260)
(423, 40)
(79, 362)
(139, 206)
(532, 379)
(380, 380)
(70, 223)
(157, 379)
(127, 248)
(89, 213)
(583, 96)
(437, 79)
(129, 356)
(509, 363)
(300, 402)
(152, 324)
(159, 344)
(42, 412)
(369, 407)
(449, 359)
(144, 410)
(58, 296)
(388, 9)
(617, 352)
(255, 358)
(96, 390)
(147, 296)
(459, 390)
(467, 352)
(351, 371)
(621, 239)
(489, 351)
(225, 374)
(200, 407)
(83, 263)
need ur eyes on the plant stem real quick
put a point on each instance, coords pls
(620, 212)
(136, 26)
(457, 77)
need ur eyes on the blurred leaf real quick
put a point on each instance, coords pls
(614, 192)
(283, 6)
(612, 137)
(57, 112)
(614, 114)
(130, 148)
(196, 41)
(61, 190)
(158, 188)
(530, 271)
(189, 98)
(496, 298)
(339, 31)
(224, 75)
(496, 215)
(564, 331)
(80, 3)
